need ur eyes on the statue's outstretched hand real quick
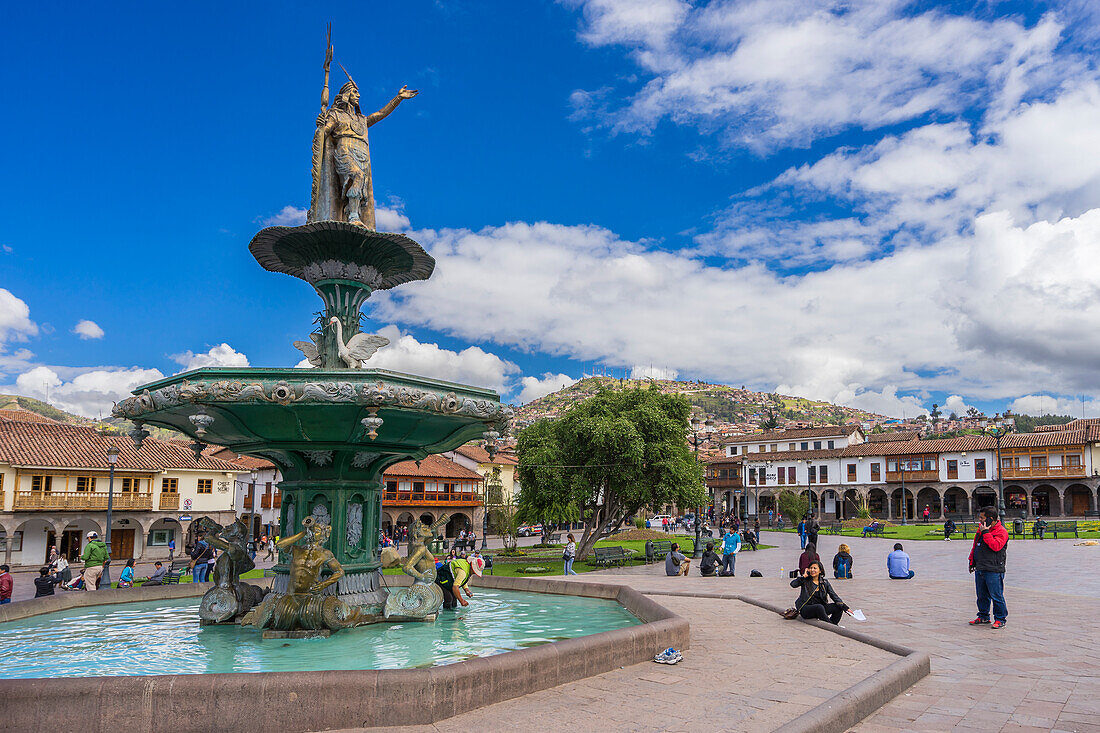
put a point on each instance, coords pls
(407, 93)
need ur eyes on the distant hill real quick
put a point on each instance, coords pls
(734, 409)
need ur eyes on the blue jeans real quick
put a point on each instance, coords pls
(198, 575)
(729, 562)
(4, 600)
(991, 588)
(903, 577)
(802, 538)
(569, 566)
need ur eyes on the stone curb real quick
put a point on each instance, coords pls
(327, 700)
(850, 706)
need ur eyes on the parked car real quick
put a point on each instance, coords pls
(529, 530)
(655, 522)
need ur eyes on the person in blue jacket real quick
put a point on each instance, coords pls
(731, 545)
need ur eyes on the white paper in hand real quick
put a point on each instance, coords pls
(858, 615)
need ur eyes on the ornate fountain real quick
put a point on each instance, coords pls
(334, 428)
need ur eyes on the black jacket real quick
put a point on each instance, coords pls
(809, 594)
(710, 561)
(43, 585)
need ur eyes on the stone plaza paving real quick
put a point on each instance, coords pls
(749, 670)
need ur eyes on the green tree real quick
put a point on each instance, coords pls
(935, 413)
(606, 459)
(770, 421)
(792, 505)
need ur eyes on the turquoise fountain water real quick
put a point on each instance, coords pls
(161, 637)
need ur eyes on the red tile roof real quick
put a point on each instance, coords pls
(1038, 440)
(828, 431)
(433, 466)
(892, 437)
(248, 462)
(60, 445)
(480, 455)
(922, 447)
(22, 415)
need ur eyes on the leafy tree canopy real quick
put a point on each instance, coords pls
(607, 459)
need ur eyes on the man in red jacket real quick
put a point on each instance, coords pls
(987, 562)
(6, 584)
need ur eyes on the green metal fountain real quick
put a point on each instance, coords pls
(334, 428)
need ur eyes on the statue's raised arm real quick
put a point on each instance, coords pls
(383, 113)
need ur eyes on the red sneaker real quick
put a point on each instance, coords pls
(998, 624)
(979, 621)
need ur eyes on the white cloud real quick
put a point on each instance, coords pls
(988, 315)
(90, 392)
(1042, 404)
(222, 355)
(766, 73)
(288, 216)
(390, 220)
(532, 388)
(88, 330)
(473, 365)
(15, 318)
(648, 371)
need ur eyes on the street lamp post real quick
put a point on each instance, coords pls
(697, 438)
(997, 431)
(252, 505)
(112, 459)
(901, 465)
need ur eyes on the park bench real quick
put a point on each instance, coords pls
(175, 572)
(879, 531)
(607, 556)
(966, 528)
(1053, 528)
(833, 528)
(553, 539)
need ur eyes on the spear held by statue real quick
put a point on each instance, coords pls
(319, 134)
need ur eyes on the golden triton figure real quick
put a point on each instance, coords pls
(342, 185)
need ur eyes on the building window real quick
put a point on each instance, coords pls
(1038, 461)
(418, 485)
(775, 447)
(267, 489)
(805, 446)
(761, 449)
(979, 468)
(876, 472)
(733, 450)
(391, 486)
(851, 472)
(41, 483)
(952, 469)
(85, 483)
(206, 486)
(824, 474)
(781, 475)
(1073, 460)
(169, 485)
(131, 484)
(817, 445)
(812, 475)
(161, 537)
(830, 445)
(752, 477)
(790, 446)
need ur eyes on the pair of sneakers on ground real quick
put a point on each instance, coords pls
(997, 623)
(668, 656)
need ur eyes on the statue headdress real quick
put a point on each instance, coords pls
(349, 84)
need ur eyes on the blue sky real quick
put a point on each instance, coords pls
(883, 204)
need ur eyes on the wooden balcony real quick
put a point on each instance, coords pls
(1026, 472)
(723, 484)
(912, 476)
(169, 501)
(75, 501)
(432, 498)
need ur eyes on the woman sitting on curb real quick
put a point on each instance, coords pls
(842, 562)
(814, 600)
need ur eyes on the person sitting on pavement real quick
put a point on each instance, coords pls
(872, 527)
(676, 563)
(842, 562)
(1039, 528)
(814, 599)
(897, 564)
(157, 578)
(948, 529)
(45, 582)
(731, 545)
(126, 580)
(710, 562)
(808, 556)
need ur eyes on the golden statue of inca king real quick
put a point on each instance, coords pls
(342, 186)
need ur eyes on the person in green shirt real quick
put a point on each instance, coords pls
(95, 555)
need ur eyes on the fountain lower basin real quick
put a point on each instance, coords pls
(333, 699)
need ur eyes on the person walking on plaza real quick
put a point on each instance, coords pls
(813, 527)
(897, 564)
(200, 558)
(802, 533)
(676, 563)
(95, 555)
(808, 556)
(570, 554)
(927, 513)
(842, 562)
(269, 544)
(817, 599)
(756, 529)
(987, 562)
(6, 584)
(731, 545)
(770, 512)
(171, 549)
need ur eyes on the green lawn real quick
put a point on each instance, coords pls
(921, 531)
